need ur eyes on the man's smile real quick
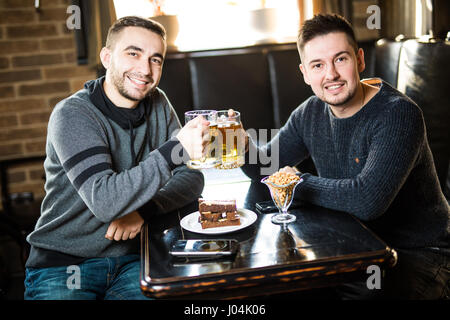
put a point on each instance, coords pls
(138, 82)
(334, 87)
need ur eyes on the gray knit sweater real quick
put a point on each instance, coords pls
(91, 180)
(376, 165)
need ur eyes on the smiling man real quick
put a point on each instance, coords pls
(368, 143)
(134, 69)
(109, 167)
(334, 74)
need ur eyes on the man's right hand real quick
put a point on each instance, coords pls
(291, 170)
(194, 137)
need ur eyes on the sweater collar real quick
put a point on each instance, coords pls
(126, 118)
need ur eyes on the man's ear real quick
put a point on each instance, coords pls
(360, 60)
(105, 57)
(305, 75)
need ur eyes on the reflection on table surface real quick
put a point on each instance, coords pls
(320, 243)
(315, 235)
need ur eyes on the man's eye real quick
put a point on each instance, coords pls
(317, 66)
(341, 59)
(156, 61)
(133, 54)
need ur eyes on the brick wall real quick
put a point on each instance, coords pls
(37, 69)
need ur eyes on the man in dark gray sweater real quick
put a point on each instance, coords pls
(110, 153)
(368, 143)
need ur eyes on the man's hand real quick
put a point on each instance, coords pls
(194, 137)
(125, 228)
(288, 169)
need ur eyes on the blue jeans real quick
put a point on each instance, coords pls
(98, 278)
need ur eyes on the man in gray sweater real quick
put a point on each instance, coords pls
(368, 143)
(111, 163)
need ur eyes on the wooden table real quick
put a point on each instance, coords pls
(321, 248)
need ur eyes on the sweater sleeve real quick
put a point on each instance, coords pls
(80, 142)
(183, 187)
(396, 138)
(286, 148)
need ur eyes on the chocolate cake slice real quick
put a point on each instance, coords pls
(218, 213)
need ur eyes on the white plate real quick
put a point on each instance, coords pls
(190, 223)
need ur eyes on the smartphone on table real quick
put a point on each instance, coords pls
(198, 248)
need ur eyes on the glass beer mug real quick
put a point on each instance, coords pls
(233, 143)
(211, 158)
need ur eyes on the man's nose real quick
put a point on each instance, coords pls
(144, 67)
(332, 73)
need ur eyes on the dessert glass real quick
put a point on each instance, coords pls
(282, 195)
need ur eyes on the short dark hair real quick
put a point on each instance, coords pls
(133, 21)
(323, 24)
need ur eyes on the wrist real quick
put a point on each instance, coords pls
(166, 151)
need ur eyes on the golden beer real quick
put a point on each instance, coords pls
(233, 145)
(211, 158)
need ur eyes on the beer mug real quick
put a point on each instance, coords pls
(211, 158)
(233, 143)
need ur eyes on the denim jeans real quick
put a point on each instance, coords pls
(98, 278)
(420, 274)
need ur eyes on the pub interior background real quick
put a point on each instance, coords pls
(49, 48)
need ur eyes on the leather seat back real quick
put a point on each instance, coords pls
(387, 54)
(369, 58)
(234, 80)
(423, 76)
(176, 83)
(289, 89)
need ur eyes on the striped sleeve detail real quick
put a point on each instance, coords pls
(73, 161)
(86, 174)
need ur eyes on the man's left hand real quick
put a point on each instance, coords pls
(126, 227)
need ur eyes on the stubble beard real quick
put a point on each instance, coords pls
(342, 102)
(119, 82)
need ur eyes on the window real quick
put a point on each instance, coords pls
(212, 24)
